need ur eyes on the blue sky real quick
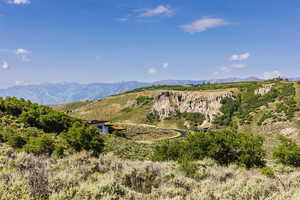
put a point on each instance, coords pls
(119, 40)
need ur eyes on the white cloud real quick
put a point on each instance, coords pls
(222, 69)
(23, 53)
(240, 57)
(20, 83)
(226, 69)
(238, 66)
(152, 70)
(270, 75)
(122, 19)
(165, 65)
(160, 10)
(204, 24)
(18, 2)
(5, 65)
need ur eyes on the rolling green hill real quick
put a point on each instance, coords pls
(267, 108)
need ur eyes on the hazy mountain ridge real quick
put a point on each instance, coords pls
(59, 93)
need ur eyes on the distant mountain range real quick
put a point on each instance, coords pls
(59, 93)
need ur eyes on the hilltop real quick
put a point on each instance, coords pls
(268, 108)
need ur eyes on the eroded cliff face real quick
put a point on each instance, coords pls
(167, 103)
(264, 90)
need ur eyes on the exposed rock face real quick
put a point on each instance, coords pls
(264, 90)
(208, 103)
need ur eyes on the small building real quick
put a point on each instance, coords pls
(106, 126)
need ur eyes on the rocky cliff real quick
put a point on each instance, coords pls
(264, 90)
(167, 103)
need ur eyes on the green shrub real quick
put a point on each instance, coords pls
(188, 166)
(43, 145)
(152, 117)
(169, 150)
(287, 153)
(59, 151)
(143, 100)
(16, 141)
(268, 172)
(80, 137)
(224, 146)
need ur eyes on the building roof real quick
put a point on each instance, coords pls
(108, 124)
(98, 122)
(119, 128)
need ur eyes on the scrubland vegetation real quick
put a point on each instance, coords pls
(82, 176)
(45, 154)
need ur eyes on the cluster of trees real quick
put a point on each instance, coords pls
(45, 130)
(225, 146)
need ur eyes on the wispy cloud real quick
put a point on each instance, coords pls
(18, 2)
(222, 69)
(165, 65)
(229, 68)
(23, 53)
(152, 70)
(122, 19)
(240, 57)
(160, 10)
(204, 24)
(20, 83)
(238, 66)
(5, 65)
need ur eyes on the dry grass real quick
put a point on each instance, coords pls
(82, 177)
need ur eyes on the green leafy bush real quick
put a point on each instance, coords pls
(224, 146)
(40, 145)
(16, 141)
(80, 137)
(287, 153)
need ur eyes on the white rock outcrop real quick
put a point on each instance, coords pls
(264, 90)
(167, 103)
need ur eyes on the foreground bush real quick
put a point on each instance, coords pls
(79, 137)
(40, 145)
(224, 146)
(287, 153)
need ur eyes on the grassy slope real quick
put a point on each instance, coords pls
(110, 109)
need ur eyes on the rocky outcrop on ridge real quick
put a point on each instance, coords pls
(167, 103)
